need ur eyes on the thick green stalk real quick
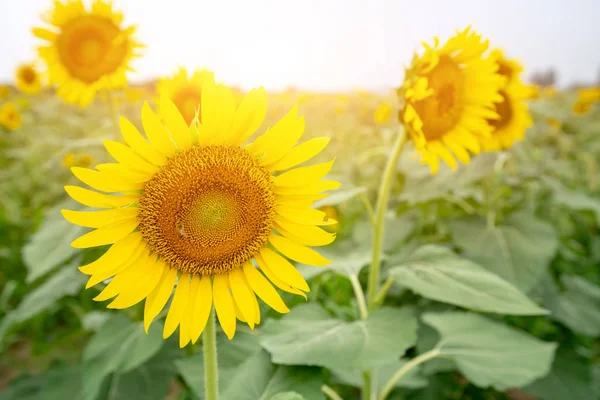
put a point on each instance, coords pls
(383, 197)
(211, 370)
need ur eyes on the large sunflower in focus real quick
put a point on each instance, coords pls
(185, 92)
(86, 50)
(199, 209)
(513, 114)
(28, 79)
(449, 93)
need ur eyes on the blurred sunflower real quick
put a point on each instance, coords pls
(4, 91)
(448, 94)
(28, 79)
(184, 91)
(10, 117)
(585, 99)
(69, 160)
(198, 208)
(513, 114)
(87, 50)
(383, 113)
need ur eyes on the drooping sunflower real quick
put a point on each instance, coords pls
(86, 50)
(185, 92)
(198, 208)
(513, 114)
(10, 117)
(28, 79)
(448, 95)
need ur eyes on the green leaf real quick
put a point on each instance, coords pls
(570, 378)
(246, 372)
(339, 196)
(428, 338)
(579, 306)
(287, 396)
(60, 382)
(437, 273)
(148, 381)
(489, 353)
(397, 230)
(575, 200)
(309, 336)
(518, 251)
(66, 282)
(119, 346)
(354, 377)
(50, 246)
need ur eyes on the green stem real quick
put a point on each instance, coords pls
(383, 197)
(329, 392)
(405, 369)
(211, 374)
(367, 393)
(360, 296)
(384, 289)
(369, 208)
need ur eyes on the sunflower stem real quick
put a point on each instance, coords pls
(367, 393)
(360, 296)
(383, 197)
(405, 369)
(211, 371)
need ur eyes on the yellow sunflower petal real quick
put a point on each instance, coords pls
(118, 252)
(304, 234)
(242, 295)
(127, 157)
(301, 153)
(175, 123)
(157, 299)
(106, 235)
(98, 219)
(188, 317)
(147, 279)
(218, 108)
(263, 289)
(224, 305)
(297, 252)
(136, 141)
(156, 132)
(303, 175)
(283, 269)
(305, 216)
(202, 308)
(104, 181)
(178, 305)
(249, 116)
(100, 200)
(122, 282)
(275, 280)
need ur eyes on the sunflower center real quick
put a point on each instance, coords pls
(28, 75)
(504, 110)
(89, 47)
(441, 111)
(187, 101)
(208, 210)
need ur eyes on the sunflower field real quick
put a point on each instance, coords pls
(184, 239)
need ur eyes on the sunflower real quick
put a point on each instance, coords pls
(200, 209)
(585, 99)
(4, 91)
(184, 91)
(10, 117)
(28, 79)
(86, 50)
(513, 114)
(382, 113)
(448, 94)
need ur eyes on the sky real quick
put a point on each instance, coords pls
(329, 44)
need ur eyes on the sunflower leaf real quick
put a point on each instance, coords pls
(246, 372)
(437, 273)
(287, 396)
(518, 251)
(579, 306)
(309, 336)
(489, 353)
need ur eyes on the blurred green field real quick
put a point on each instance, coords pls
(530, 215)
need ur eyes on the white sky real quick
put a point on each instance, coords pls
(329, 44)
